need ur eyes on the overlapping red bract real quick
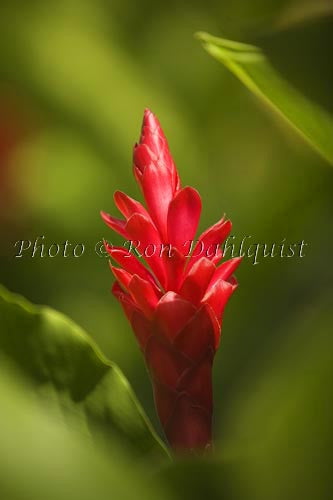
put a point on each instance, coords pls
(175, 305)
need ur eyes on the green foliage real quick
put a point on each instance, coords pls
(64, 366)
(249, 64)
(41, 457)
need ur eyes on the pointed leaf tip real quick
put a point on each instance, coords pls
(250, 65)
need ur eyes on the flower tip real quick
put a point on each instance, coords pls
(118, 196)
(235, 263)
(150, 120)
(147, 113)
(104, 215)
(147, 117)
(107, 247)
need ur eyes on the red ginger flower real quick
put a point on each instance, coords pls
(175, 306)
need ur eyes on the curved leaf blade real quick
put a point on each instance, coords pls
(69, 372)
(250, 65)
(42, 458)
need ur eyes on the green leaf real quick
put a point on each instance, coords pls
(41, 458)
(249, 64)
(71, 375)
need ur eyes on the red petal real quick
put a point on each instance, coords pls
(233, 281)
(225, 270)
(209, 242)
(152, 133)
(141, 229)
(158, 193)
(217, 296)
(144, 295)
(197, 280)
(171, 315)
(177, 182)
(128, 206)
(130, 263)
(117, 225)
(142, 328)
(137, 174)
(122, 276)
(174, 263)
(143, 156)
(125, 300)
(154, 149)
(198, 335)
(183, 217)
(165, 365)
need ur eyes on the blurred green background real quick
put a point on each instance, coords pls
(75, 77)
